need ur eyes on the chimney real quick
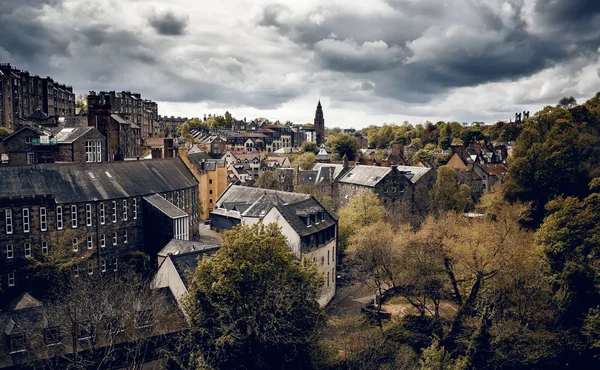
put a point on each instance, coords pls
(168, 147)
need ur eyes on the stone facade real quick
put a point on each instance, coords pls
(130, 106)
(94, 210)
(21, 94)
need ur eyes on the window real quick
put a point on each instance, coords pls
(90, 242)
(25, 220)
(59, 218)
(31, 158)
(210, 192)
(115, 238)
(125, 236)
(44, 247)
(134, 209)
(85, 330)
(115, 268)
(333, 275)
(102, 214)
(11, 279)
(308, 224)
(327, 278)
(327, 258)
(8, 221)
(90, 268)
(76, 271)
(17, 343)
(102, 241)
(210, 181)
(104, 265)
(27, 250)
(114, 213)
(75, 244)
(74, 216)
(88, 215)
(333, 253)
(52, 336)
(28, 140)
(43, 220)
(143, 319)
(93, 151)
(10, 253)
(124, 209)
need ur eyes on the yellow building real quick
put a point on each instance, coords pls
(211, 175)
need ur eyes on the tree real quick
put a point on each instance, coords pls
(5, 132)
(344, 145)
(448, 195)
(81, 103)
(305, 161)
(309, 147)
(553, 139)
(105, 322)
(567, 102)
(364, 209)
(228, 119)
(569, 237)
(253, 305)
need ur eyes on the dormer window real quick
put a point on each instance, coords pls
(17, 343)
(308, 223)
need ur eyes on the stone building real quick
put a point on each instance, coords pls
(123, 137)
(310, 228)
(33, 145)
(211, 175)
(21, 94)
(131, 107)
(97, 209)
(404, 190)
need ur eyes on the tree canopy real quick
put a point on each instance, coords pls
(254, 305)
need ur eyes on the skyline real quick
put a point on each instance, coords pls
(368, 63)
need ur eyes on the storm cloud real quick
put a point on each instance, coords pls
(387, 59)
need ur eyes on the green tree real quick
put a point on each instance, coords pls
(448, 195)
(570, 239)
(364, 209)
(344, 145)
(81, 102)
(228, 119)
(305, 161)
(253, 305)
(567, 102)
(309, 147)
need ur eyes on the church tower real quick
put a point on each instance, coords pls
(320, 125)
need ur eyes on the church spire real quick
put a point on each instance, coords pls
(320, 124)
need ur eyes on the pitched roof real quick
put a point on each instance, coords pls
(413, 173)
(22, 302)
(241, 201)
(186, 263)
(71, 183)
(338, 168)
(176, 247)
(70, 134)
(365, 175)
(165, 206)
(494, 169)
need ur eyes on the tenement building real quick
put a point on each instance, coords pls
(22, 94)
(310, 228)
(123, 137)
(404, 190)
(33, 145)
(95, 214)
(130, 106)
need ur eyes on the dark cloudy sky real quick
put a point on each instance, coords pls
(369, 61)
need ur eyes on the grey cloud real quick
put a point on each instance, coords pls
(168, 23)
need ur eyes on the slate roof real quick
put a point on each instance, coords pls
(186, 263)
(494, 169)
(72, 183)
(413, 173)
(258, 202)
(338, 168)
(22, 302)
(120, 119)
(70, 134)
(176, 247)
(210, 164)
(365, 175)
(165, 206)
